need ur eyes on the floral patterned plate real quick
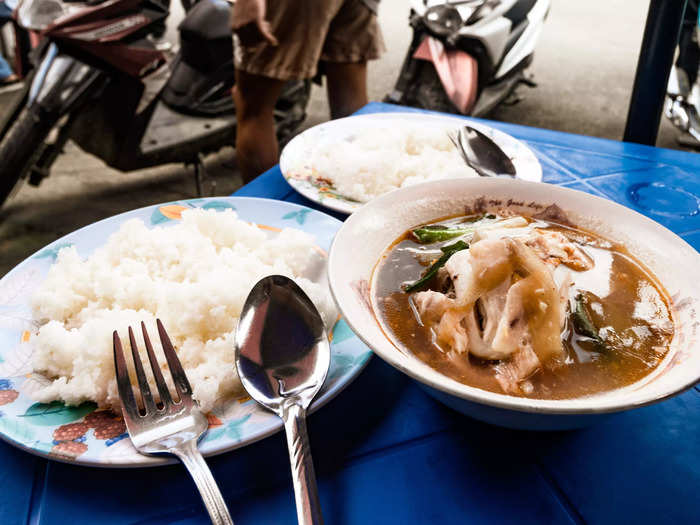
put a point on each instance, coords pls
(94, 437)
(294, 161)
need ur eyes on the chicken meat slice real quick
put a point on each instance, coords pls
(510, 227)
(482, 322)
(451, 331)
(513, 373)
(555, 248)
(438, 310)
(565, 282)
(538, 300)
(431, 305)
(506, 307)
(479, 269)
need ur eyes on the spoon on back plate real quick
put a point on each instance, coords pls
(481, 153)
(282, 356)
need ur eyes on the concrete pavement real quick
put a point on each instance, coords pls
(584, 66)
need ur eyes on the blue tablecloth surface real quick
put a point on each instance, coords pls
(385, 452)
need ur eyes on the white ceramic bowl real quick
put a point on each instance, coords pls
(368, 233)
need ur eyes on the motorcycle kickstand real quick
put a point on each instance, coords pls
(528, 80)
(201, 177)
(514, 97)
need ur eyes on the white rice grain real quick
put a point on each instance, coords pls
(379, 160)
(193, 276)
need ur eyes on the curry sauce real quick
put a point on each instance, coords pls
(627, 310)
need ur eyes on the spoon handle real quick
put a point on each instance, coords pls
(303, 476)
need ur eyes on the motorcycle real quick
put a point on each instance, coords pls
(682, 103)
(468, 56)
(103, 80)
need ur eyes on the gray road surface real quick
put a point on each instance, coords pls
(584, 65)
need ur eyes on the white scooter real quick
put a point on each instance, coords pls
(682, 106)
(468, 56)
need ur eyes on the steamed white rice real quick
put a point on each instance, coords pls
(194, 277)
(368, 164)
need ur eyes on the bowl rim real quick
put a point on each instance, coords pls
(434, 379)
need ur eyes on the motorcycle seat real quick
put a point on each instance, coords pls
(202, 73)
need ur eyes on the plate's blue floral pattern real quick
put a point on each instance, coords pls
(299, 216)
(90, 436)
(52, 252)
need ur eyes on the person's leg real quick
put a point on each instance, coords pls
(353, 39)
(347, 87)
(300, 27)
(256, 140)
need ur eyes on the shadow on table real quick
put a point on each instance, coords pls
(360, 442)
(350, 424)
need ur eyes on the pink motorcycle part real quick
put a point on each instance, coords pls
(457, 70)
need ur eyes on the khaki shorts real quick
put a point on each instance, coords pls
(310, 31)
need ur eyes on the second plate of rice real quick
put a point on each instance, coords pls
(344, 163)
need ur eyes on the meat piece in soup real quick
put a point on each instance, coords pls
(521, 306)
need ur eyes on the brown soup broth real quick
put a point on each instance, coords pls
(625, 301)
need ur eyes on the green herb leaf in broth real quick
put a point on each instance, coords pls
(439, 232)
(433, 233)
(583, 324)
(447, 252)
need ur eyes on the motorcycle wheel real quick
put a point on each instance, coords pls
(426, 91)
(20, 148)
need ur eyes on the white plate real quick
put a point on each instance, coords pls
(295, 156)
(103, 442)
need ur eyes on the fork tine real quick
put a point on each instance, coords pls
(146, 395)
(179, 376)
(126, 393)
(157, 374)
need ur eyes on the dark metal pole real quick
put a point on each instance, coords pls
(654, 65)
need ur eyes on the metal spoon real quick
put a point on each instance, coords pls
(481, 153)
(282, 356)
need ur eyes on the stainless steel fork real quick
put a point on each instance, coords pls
(169, 426)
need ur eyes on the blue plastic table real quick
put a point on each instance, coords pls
(385, 452)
